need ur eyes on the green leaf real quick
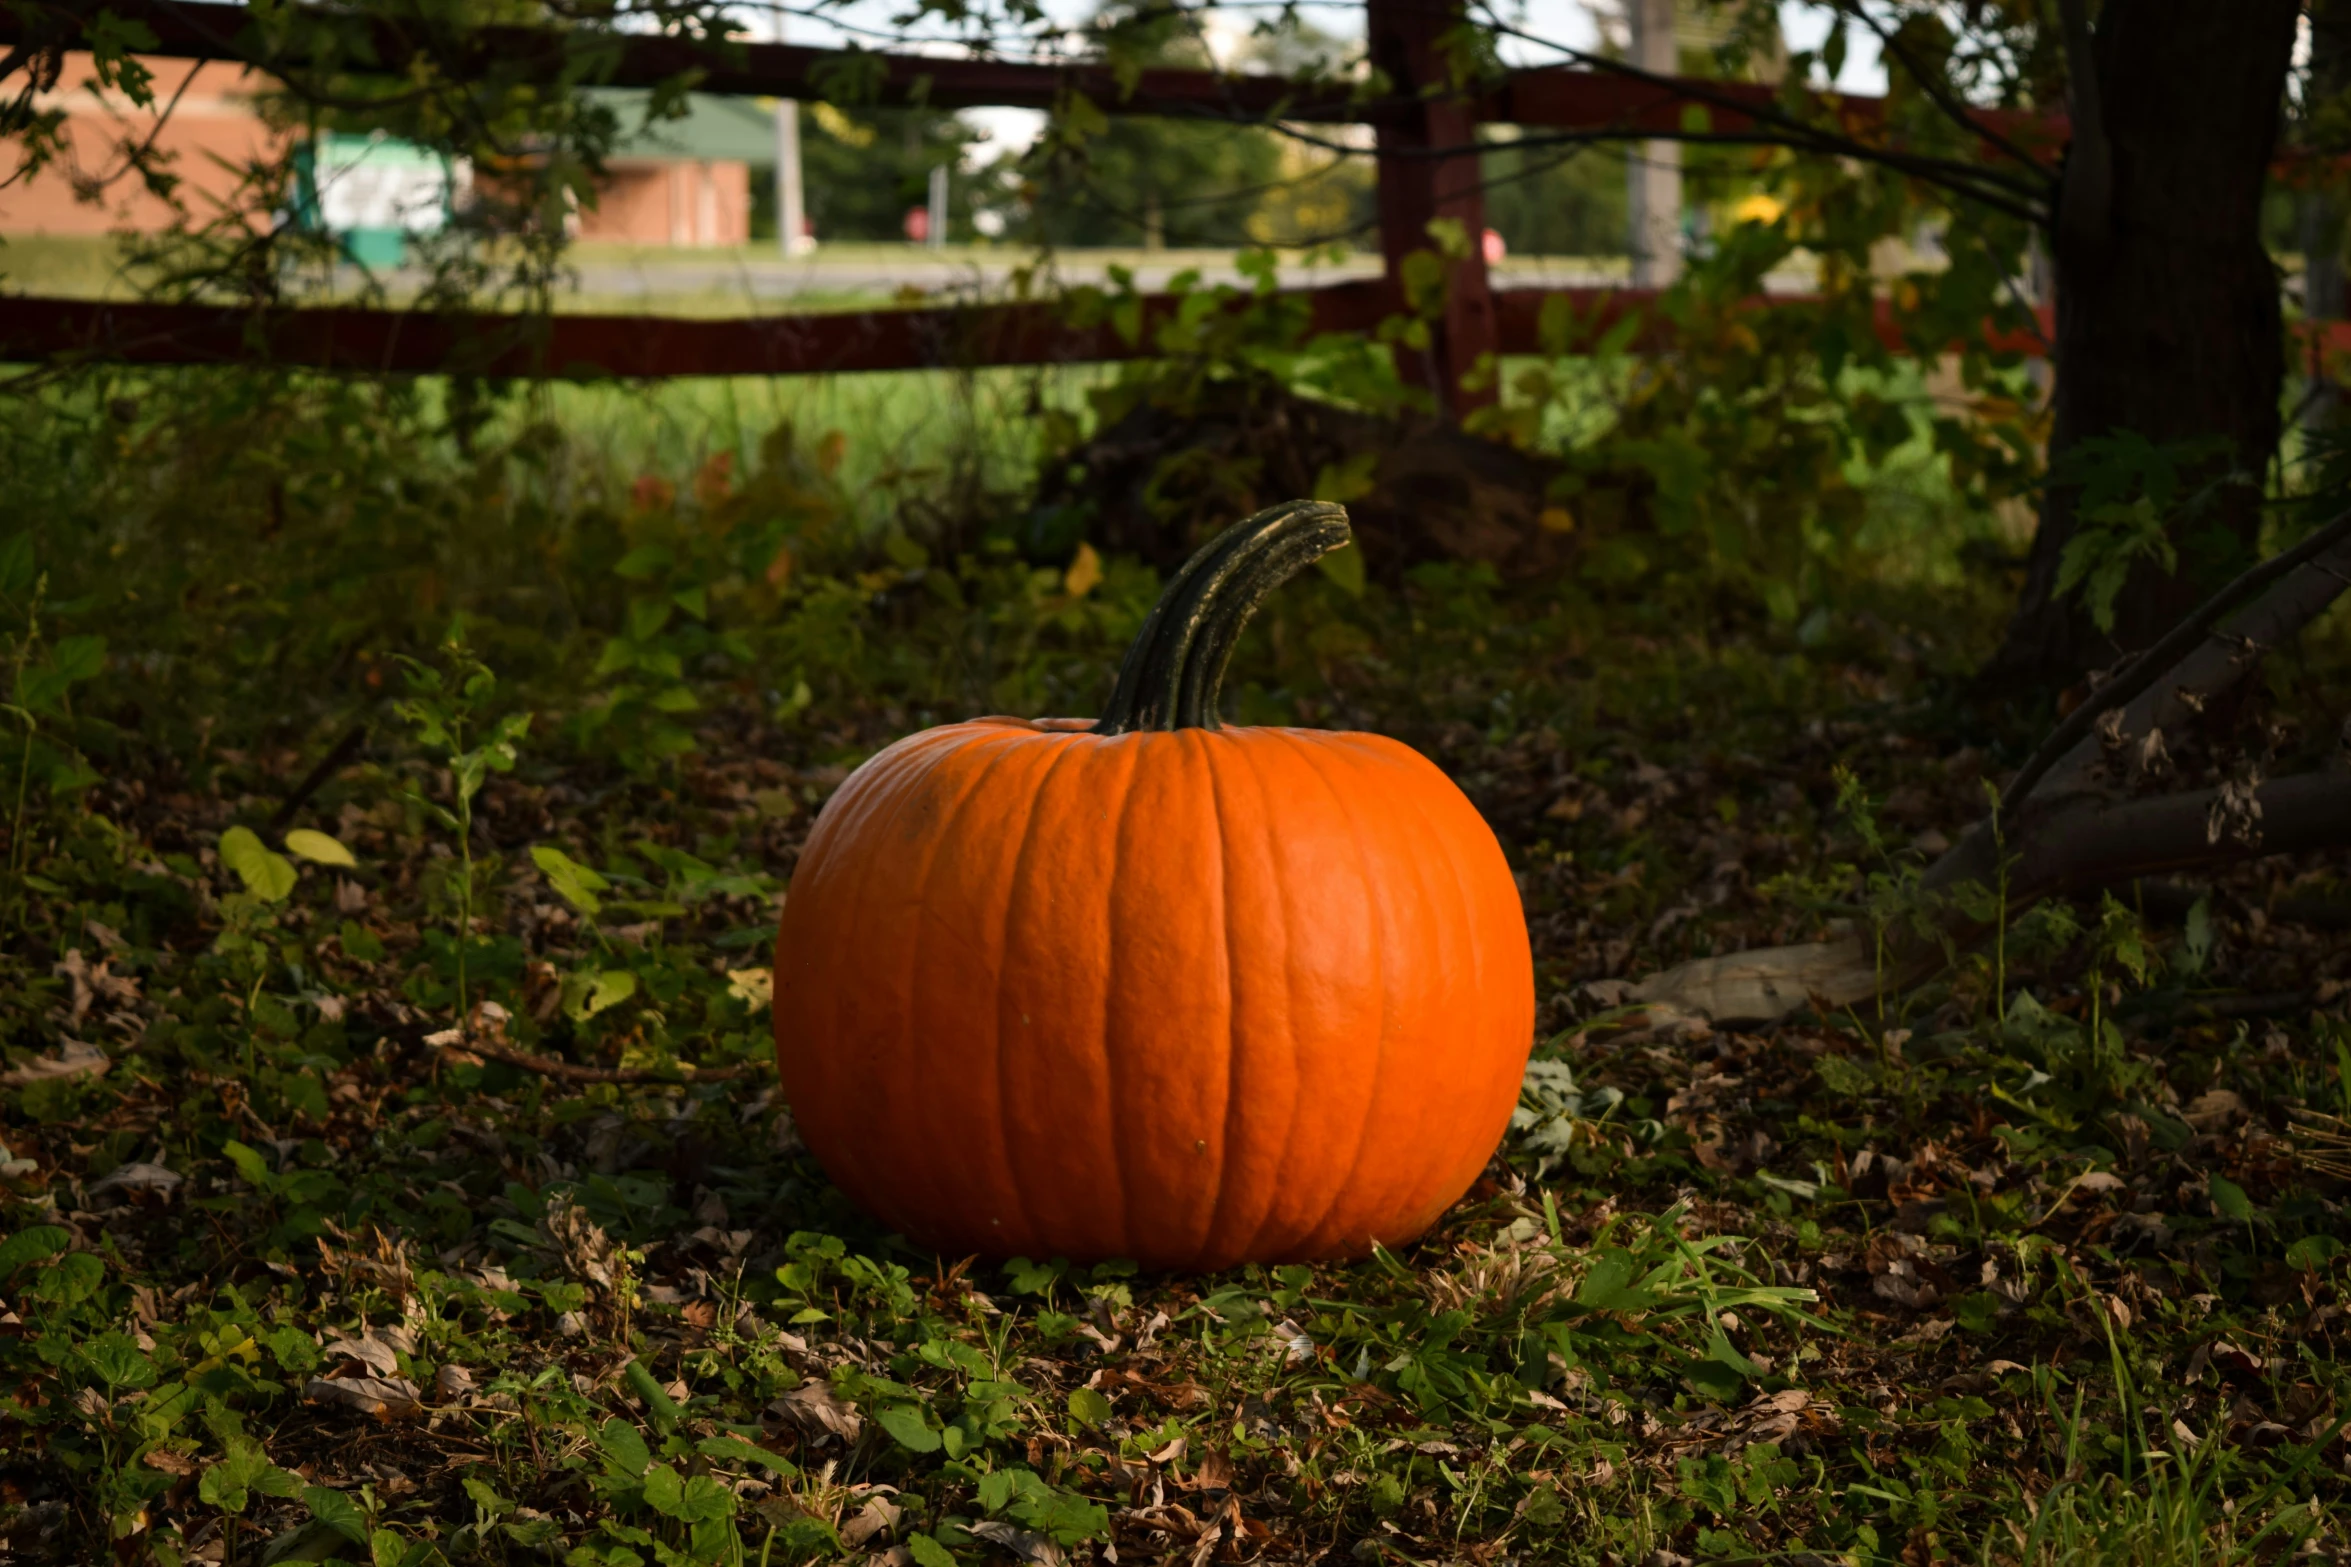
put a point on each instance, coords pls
(70, 1280)
(2313, 1251)
(658, 1403)
(337, 1511)
(250, 1164)
(623, 1447)
(78, 658)
(1345, 569)
(585, 995)
(243, 1469)
(665, 1492)
(2229, 1199)
(1088, 1407)
(928, 1552)
(318, 848)
(743, 1452)
(118, 1362)
(292, 1347)
(16, 563)
(486, 1498)
(266, 874)
(32, 1245)
(905, 1423)
(706, 1500)
(573, 882)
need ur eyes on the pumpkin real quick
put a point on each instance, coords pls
(1149, 987)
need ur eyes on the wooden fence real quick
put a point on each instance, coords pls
(1425, 136)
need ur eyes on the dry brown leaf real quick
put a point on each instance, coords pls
(138, 1178)
(1036, 1549)
(877, 1518)
(75, 1060)
(819, 1412)
(370, 1352)
(388, 1398)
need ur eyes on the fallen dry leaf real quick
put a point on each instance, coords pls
(389, 1398)
(819, 1412)
(1033, 1548)
(372, 1353)
(75, 1060)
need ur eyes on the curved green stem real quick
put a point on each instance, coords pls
(1175, 669)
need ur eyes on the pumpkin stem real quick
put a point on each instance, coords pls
(1175, 669)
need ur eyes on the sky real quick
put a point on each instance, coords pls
(1570, 22)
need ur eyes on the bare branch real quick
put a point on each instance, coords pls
(2082, 846)
(2315, 567)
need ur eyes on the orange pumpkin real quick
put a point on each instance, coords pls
(1149, 987)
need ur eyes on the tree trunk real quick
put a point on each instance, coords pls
(2168, 322)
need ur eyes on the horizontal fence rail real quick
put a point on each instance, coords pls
(595, 347)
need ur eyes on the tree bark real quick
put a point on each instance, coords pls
(2168, 322)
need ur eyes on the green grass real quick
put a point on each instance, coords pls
(2090, 1312)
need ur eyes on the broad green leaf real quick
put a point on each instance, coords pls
(928, 1552)
(706, 1500)
(1088, 1407)
(624, 1447)
(266, 874)
(118, 1362)
(2229, 1199)
(1345, 568)
(905, 1423)
(487, 1498)
(292, 1347)
(78, 658)
(71, 1279)
(250, 1164)
(2313, 1251)
(743, 1452)
(32, 1245)
(243, 1469)
(606, 990)
(318, 848)
(573, 882)
(665, 1492)
(337, 1511)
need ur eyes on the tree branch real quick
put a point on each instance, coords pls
(1939, 92)
(2059, 832)
(2085, 846)
(2296, 604)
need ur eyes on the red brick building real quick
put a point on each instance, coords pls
(682, 183)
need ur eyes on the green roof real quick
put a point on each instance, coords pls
(713, 128)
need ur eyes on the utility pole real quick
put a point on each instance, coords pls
(1654, 176)
(791, 210)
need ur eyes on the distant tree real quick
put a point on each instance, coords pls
(861, 171)
(1146, 182)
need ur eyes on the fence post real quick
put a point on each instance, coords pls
(1414, 188)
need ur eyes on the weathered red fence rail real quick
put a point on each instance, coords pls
(594, 347)
(1426, 134)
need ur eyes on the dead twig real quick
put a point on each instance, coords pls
(569, 1072)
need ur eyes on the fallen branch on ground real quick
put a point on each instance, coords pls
(2065, 827)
